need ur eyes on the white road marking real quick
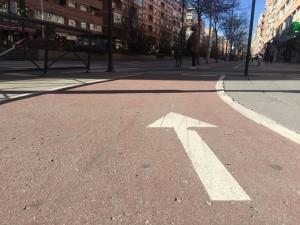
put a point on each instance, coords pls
(260, 119)
(197, 75)
(238, 65)
(218, 182)
(75, 71)
(64, 87)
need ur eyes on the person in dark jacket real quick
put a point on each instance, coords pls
(194, 44)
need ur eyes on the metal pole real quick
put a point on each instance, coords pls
(23, 37)
(208, 51)
(110, 67)
(46, 50)
(8, 7)
(23, 14)
(250, 38)
(182, 33)
(42, 17)
(42, 9)
(231, 31)
(89, 54)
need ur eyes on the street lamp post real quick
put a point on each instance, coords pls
(250, 38)
(8, 7)
(110, 67)
(42, 17)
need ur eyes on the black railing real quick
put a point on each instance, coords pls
(46, 36)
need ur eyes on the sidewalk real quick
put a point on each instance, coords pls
(18, 78)
(272, 91)
(21, 88)
(25, 83)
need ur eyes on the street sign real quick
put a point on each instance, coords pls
(218, 182)
(296, 27)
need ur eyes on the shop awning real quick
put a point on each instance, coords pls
(67, 36)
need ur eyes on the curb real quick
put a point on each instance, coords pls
(254, 116)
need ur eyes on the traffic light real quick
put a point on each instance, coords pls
(22, 8)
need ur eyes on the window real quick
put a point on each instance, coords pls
(49, 17)
(13, 7)
(150, 28)
(72, 23)
(84, 8)
(72, 4)
(83, 25)
(95, 27)
(117, 18)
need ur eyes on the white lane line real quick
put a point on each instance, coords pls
(260, 119)
(64, 87)
(238, 65)
(218, 182)
(197, 75)
(75, 71)
(54, 89)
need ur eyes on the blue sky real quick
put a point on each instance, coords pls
(260, 5)
(245, 6)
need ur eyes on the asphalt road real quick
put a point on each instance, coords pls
(88, 156)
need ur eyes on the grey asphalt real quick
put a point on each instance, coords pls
(270, 90)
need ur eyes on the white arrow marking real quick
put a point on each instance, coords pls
(218, 182)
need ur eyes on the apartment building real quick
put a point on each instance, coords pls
(155, 17)
(83, 15)
(259, 39)
(192, 20)
(279, 25)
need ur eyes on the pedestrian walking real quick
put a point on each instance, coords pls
(193, 44)
(259, 58)
(271, 53)
(177, 55)
(267, 54)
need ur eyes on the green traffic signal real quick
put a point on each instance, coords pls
(22, 9)
(296, 27)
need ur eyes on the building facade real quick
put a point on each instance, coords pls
(279, 25)
(192, 20)
(72, 18)
(158, 19)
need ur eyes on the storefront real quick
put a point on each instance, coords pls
(288, 45)
(12, 31)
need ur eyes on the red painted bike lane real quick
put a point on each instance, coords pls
(87, 156)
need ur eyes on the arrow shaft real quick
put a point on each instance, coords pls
(218, 182)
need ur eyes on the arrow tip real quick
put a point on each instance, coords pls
(175, 120)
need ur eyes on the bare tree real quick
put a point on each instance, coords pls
(129, 29)
(234, 28)
(201, 7)
(220, 8)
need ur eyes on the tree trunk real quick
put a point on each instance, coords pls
(209, 34)
(200, 28)
(208, 51)
(226, 50)
(217, 46)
